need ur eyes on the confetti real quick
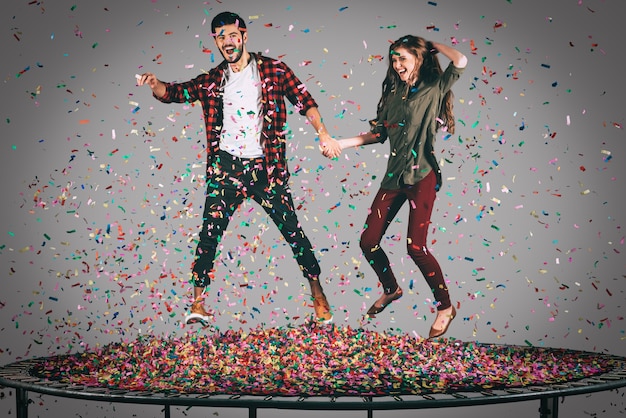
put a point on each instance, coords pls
(303, 361)
(117, 195)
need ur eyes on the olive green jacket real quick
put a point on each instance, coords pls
(411, 124)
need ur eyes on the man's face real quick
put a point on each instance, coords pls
(231, 42)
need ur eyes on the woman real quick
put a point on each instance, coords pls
(416, 102)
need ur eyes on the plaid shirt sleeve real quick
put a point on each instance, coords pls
(205, 90)
(279, 81)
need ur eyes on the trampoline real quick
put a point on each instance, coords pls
(315, 368)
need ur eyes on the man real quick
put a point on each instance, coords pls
(246, 123)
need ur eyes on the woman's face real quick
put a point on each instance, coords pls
(405, 64)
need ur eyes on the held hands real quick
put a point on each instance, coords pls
(329, 146)
(332, 148)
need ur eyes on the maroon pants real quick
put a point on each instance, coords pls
(387, 203)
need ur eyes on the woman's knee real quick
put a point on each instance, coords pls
(417, 252)
(368, 244)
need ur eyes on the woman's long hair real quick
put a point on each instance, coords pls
(428, 68)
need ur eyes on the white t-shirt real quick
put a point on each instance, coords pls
(242, 125)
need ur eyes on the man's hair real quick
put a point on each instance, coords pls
(227, 18)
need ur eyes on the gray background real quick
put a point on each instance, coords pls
(102, 185)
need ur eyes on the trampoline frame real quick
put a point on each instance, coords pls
(17, 375)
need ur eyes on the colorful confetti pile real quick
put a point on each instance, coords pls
(317, 360)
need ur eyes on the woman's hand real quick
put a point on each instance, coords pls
(329, 146)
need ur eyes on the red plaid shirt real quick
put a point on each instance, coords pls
(277, 80)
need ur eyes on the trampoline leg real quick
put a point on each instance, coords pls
(251, 412)
(549, 408)
(167, 411)
(21, 402)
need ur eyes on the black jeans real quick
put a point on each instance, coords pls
(230, 180)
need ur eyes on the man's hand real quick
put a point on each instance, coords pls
(158, 87)
(329, 146)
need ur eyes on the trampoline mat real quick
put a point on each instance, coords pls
(313, 360)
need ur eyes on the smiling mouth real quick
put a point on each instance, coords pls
(230, 50)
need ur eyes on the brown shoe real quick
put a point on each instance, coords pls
(438, 332)
(322, 309)
(197, 314)
(383, 301)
